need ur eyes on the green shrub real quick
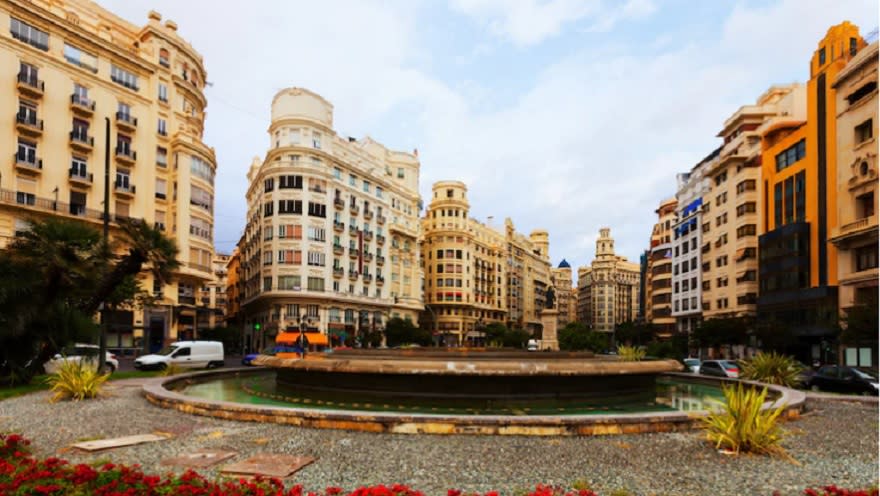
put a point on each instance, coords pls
(76, 380)
(742, 426)
(772, 368)
(631, 353)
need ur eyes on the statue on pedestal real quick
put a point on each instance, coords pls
(550, 299)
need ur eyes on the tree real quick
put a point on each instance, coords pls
(633, 334)
(515, 338)
(401, 331)
(575, 337)
(861, 322)
(495, 333)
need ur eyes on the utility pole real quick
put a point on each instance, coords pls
(102, 342)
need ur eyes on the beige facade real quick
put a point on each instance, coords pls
(213, 294)
(658, 284)
(566, 295)
(730, 217)
(332, 227)
(70, 67)
(478, 274)
(856, 237)
(608, 290)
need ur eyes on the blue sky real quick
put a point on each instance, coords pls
(568, 115)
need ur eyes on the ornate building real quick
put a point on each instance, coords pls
(80, 78)
(332, 229)
(477, 274)
(608, 290)
(566, 295)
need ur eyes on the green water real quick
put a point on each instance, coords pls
(260, 389)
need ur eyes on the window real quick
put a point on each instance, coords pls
(123, 179)
(862, 92)
(316, 140)
(268, 185)
(162, 127)
(78, 167)
(337, 173)
(290, 182)
(29, 74)
(316, 259)
(865, 205)
(866, 257)
(27, 152)
(366, 186)
(268, 209)
(317, 210)
(745, 208)
(78, 57)
(27, 112)
(161, 188)
(123, 77)
(747, 185)
(267, 284)
(791, 155)
(163, 58)
(400, 173)
(745, 231)
(201, 198)
(315, 284)
(161, 157)
(163, 92)
(864, 131)
(352, 180)
(289, 206)
(822, 56)
(290, 283)
(378, 192)
(290, 257)
(201, 169)
(32, 36)
(316, 234)
(199, 227)
(268, 232)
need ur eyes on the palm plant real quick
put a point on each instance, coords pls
(773, 368)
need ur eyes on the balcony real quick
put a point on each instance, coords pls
(126, 122)
(853, 230)
(368, 257)
(354, 209)
(81, 141)
(380, 239)
(82, 178)
(30, 86)
(338, 226)
(24, 164)
(352, 230)
(380, 280)
(338, 203)
(380, 260)
(124, 189)
(380, 219)
(368, 278)
(29, 125)
(368, 235)
(338, 272)
(338, 249)
(368, 214)
(352, 275)
(126, 155)
(81, 105)
(353, 253)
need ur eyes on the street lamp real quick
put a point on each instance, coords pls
(303, 323)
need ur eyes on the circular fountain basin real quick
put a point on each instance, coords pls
(440, 392)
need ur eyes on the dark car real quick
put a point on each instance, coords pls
(720, 368)
(842, 379)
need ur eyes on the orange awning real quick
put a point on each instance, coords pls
(315, 338)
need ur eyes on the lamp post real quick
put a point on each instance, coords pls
(102, 341)
(303, 322)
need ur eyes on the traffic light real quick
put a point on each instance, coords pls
(257, 326)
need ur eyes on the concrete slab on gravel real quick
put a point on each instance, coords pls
(103, 444)
(200, 458)
(268, 465)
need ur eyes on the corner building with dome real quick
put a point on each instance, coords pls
(332, 231)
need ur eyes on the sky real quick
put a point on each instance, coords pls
(565, 115)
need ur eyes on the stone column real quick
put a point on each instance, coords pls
(549, 321)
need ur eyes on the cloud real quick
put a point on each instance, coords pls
(529, 22)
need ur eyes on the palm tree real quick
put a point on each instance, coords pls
(143, 246)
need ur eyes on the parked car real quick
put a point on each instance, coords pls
(692, 364)
(843, 379)
(532, 345)
(77, 353)
(720, 368)
(804, 376)
(188, 354)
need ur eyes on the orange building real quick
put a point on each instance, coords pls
(798, 263)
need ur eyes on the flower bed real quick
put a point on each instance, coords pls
(23, 474)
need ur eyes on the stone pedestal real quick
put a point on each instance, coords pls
(549, 321)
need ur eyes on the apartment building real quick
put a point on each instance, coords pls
(856, 237)
(233, 291)
(608, 290)
(212, 295)
(687, 280)
(477, 274)
(83, 86)
(332, 229)
(658, 286)
(798, 265)
(566, 295)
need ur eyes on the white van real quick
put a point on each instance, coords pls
(189, 354)
(532, 345)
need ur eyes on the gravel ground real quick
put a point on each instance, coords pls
(834, 443)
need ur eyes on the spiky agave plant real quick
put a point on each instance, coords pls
(631, 353)
(76, 380)
(742, 426)
(773, 368)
